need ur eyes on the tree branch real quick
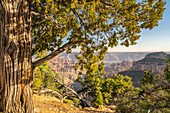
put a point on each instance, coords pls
(56, 94)
(55, 53)
(36, 14)
(39, 15)
(155, 88)
(76, 14)
(105, 3)
(72, 90)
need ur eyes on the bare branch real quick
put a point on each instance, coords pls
(36, 14)
(56, 94)
(72, 90)
(55, 53)
(39, 15)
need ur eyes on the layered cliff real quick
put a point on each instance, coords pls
(112, 57)
(119, 61)
(155, 62)
(64, 67)
(115, 68)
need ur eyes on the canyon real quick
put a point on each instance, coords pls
(155, 62)
(132, 64)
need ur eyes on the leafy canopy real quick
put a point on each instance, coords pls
(91, 24)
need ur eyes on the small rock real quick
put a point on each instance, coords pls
(112, 107)
(36, 110)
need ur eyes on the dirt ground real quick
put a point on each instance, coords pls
(44, 104)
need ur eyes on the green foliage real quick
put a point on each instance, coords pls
(92, 80)
(43, 76)
(99, 98)
(94, 25)
(153, 96)
(97, 23)
(76, 102)
(148, 78)
(116, 85)
(70, 102)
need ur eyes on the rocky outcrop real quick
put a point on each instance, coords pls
(115, 57)
(136, 76)
(117, 67)
(155, 62)
(64, 67)
(127, 63)
(114, 63)
(61, 64)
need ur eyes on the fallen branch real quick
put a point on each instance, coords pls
(56, 94)
(86, 104)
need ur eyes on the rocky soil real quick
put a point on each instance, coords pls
(44, 104)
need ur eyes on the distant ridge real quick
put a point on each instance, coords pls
(155, 62)
(112, 57)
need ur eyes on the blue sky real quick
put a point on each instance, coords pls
(157, 39)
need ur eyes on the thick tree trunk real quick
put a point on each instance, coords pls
(15, 57)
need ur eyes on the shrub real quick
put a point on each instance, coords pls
(76, 102)
(99, 99)
(70, 102)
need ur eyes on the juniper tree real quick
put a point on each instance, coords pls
(31, 26)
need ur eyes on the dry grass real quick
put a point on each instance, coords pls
(44, 104)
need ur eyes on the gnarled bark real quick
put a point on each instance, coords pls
(15, 57)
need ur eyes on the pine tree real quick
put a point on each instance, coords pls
(99, 98)
(93, 77)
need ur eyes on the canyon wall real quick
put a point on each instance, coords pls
(132, 64)
(155, 62)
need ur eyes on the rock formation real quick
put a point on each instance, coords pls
(127, 63)
(112, 57)
(115, 68)
(155, 62)
(64, 67)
